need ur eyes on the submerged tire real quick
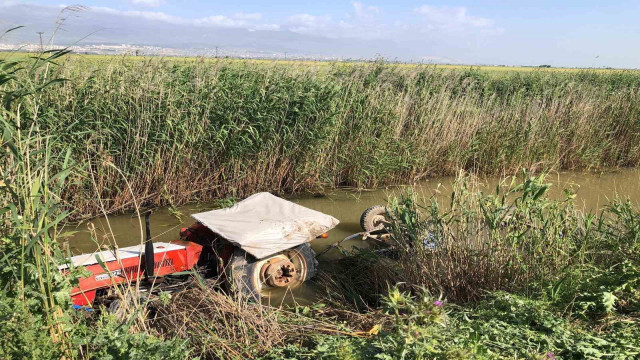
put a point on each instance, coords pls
(247, 274)
(374, 218)
(115, 307)
(122, 307)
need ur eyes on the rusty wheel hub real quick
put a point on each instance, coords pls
(379, 221)
(279, 272)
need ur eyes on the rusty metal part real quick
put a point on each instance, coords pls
(379, 221)
(378, 235)
(278, 272)
(381, 237)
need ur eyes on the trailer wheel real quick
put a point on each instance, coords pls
(374, 218)
(252, 278)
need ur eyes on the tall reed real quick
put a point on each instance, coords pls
(185, 130)
(32, 178)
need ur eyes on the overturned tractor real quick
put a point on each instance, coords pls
(258, 244)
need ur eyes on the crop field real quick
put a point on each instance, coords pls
(514, 274)
(325, 63)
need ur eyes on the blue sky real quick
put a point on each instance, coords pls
(561, 33)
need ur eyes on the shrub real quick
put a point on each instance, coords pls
(516, 240)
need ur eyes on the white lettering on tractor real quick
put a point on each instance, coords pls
(105, 276)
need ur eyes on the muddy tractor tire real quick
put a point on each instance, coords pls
(251, 279)
(374, 218)
(121, 307)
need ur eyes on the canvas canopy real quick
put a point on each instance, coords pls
(264, 224)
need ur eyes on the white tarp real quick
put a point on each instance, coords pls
(264, 224)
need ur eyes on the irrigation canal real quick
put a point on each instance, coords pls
(593, 191)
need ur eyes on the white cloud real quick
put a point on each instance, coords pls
(452, 18)
(368, 22)
(308, 20)
(148, 3)
(365, 12)
(362, 22)
(305, 23)
(237, 20)
(220, 20)
(148, 15)
(247, 16)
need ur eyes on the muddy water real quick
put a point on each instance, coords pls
(593, 192)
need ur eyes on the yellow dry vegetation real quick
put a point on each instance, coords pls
(321, 63)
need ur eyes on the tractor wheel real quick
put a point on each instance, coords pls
(374, 218)
(252, 278)
(121, 307)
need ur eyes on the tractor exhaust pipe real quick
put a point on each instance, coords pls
(148, 250)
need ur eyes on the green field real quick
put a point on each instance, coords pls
(321, 63)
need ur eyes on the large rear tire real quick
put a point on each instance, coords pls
(374, 218)
(122, 306)
(250, 278)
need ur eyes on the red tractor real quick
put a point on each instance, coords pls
(261, 242)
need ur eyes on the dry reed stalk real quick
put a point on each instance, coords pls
(220, 326)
